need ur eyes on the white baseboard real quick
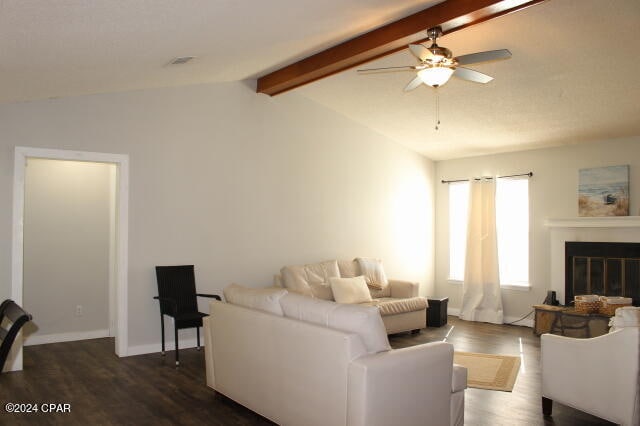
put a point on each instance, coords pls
(65, 337)
(453, 312)
(97, 334)
(527, 322)
(168, 346)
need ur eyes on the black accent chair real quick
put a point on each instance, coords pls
(177, 296)
(17, 317)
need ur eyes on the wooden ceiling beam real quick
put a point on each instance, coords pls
(451, 15)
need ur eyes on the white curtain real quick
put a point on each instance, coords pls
(481, 298)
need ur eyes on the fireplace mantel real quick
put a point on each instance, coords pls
(591, 229)
(594, 222)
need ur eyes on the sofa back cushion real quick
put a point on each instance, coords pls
(277, 281)
(310, 280)
(349, 268)
(292, 372)
(364, 321)
(262, 299)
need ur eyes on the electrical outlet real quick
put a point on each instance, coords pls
(79, 310)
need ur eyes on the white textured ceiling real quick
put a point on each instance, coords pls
(574, 75)
(51, 48)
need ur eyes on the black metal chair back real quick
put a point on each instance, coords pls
(177, 283)
(11, 313)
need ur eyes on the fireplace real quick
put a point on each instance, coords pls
(606, 269)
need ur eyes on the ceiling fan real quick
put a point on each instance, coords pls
(437, 64)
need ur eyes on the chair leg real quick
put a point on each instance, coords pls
(547, 406)
(198, 337)
(162, 331)
(177, 357)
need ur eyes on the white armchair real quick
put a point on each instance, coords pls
(598, 376)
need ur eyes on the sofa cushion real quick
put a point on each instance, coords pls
(262, 299)
(322, 291)
(349, 268)
(350, 290)
(390, 306)
(459, 378)
(366, 322)
(362, 320)
(378, 294)
(277, 281)
(299, 278)
(307, 309)
(627, 316)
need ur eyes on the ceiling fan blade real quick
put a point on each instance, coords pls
(387, 69)
(413, 84)
(471, 75)
(491, 55)
(420, 52)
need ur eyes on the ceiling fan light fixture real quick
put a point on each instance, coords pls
(435, 76)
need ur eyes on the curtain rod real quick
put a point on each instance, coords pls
(488, 177)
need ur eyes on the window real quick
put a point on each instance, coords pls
(458, 212)
(512, 222)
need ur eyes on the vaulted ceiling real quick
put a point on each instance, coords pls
(573, 76)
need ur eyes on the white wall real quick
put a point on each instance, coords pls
(553, 194)
(238, 184)
(66, 247)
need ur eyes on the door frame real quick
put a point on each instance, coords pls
(121, 162)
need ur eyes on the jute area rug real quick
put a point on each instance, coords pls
(485, 371)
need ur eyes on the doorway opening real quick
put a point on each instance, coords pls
(89, 317)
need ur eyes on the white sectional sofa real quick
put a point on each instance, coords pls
(401, 308)
(303, 361)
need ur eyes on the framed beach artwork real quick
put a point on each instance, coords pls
(603, 191)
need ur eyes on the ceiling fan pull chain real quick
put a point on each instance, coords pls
(437, 108)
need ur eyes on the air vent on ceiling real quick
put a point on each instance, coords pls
(181, 60)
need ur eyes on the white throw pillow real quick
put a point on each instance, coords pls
(364, 321)
(373, 272)
(628, 316)
(262, 299)
(350, 290)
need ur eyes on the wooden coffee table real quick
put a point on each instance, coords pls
(566, 321)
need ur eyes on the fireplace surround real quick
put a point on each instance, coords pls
(603, 268)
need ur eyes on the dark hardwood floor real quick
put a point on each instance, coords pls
(147, 389)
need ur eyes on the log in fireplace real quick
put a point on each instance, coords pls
(606, 269)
